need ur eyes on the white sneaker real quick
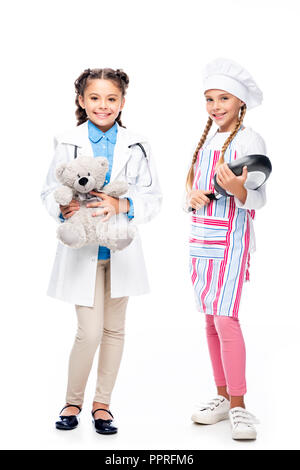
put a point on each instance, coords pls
(210, 413)
(242, 423)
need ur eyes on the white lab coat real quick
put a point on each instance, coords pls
(74, 270)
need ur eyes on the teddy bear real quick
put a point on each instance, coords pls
(78, 178)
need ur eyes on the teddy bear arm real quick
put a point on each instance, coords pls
(115, 189)
(64, 195)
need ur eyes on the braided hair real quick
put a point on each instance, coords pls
(190, 175)
(119, 77)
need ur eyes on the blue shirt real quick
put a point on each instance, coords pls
(103, 145)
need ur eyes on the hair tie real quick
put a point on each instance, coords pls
(122, 76)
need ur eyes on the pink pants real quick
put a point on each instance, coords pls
(227, 352)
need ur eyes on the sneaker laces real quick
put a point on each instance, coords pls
(212, 404)
(241, 415)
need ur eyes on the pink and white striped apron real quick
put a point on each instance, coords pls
(219, 243)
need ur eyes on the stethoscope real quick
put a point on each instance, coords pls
(147, 160)
(144, 154)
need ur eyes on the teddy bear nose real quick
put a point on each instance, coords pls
(83, 181)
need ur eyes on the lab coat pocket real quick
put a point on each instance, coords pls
(208, 238)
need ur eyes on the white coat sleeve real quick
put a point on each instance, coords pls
(144, 189)
(256, 198)
(51, 183)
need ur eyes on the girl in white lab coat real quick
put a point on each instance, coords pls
(97, 281)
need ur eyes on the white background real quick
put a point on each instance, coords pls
(163, 46)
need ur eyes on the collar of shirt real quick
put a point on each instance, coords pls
(95, 134)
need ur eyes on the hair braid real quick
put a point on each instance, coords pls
(80, 84)
(190, 176)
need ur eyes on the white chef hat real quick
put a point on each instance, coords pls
(224, 74)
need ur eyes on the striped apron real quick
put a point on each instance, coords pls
(219, 243)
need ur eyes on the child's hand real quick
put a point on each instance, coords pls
(197, 198)
(70, 209)
(229, 181)
(110, 205)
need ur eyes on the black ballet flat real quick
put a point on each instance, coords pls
(67, 423)
(104, 426)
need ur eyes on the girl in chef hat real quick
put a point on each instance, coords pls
(222, 235)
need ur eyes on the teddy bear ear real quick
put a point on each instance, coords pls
(102, 162)
(59, 171)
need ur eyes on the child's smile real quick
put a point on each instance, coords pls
(219, 116)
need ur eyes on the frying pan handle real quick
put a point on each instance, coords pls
(211, 197)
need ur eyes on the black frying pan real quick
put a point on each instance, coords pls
(259, 169)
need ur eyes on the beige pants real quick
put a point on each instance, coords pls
(102, 324)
